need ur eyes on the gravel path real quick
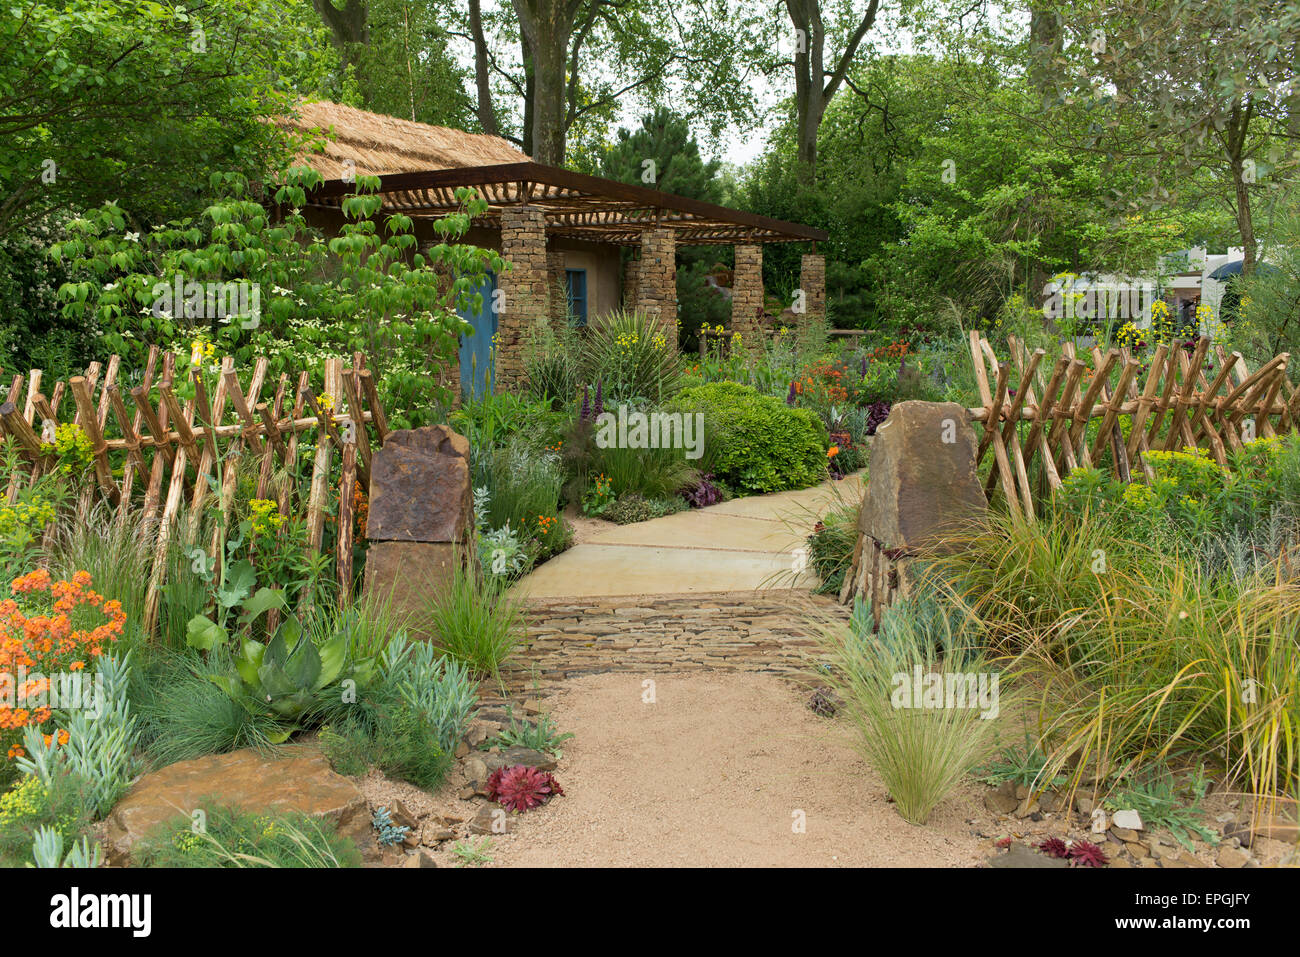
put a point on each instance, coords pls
(711, 775)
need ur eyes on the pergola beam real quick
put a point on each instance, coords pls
(574, 204)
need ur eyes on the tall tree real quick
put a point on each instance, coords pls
(550, 71)
(547, 26)
(663, 145)
(1213, 82)
(815, 84)
(101, 99)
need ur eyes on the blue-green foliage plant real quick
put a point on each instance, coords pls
(389, 833)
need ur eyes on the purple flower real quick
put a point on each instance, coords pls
(600, 402)
(585, 414)
(862, 366)
(789, 398)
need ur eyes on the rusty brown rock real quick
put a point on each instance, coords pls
(295, 778)
(411, 574)
(420, 487)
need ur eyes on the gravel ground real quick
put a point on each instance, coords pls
(712, 774)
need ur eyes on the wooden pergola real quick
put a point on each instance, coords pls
(576, 206)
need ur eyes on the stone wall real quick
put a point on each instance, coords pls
(631, 282)
(812, 280)
(747, 296)
(656, 281)
(526, 295)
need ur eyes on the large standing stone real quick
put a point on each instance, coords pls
(421, 517)
(420, 488)
(922, 484)
(295, 778)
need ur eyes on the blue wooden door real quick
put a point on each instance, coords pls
(477, 357)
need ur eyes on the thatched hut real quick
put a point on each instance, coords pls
(563, 232)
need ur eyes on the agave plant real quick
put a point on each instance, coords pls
(285, 674)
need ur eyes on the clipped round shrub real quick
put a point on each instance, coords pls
(754, 442)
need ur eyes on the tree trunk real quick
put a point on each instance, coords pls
(1044, 43)
(349, 26)
(526, 58)
(1234, 142)
(814, 87)
(546, 26)
(487, 117)
(1245, 221)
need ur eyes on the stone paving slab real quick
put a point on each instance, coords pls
(591, 570)
(746, 544)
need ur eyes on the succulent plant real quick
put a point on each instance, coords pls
(1054, 847)
(824, 702)
(1087, 854)
(521, 788)
(389, 832)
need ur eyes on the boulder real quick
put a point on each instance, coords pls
(420, 487)
(922, 484)
(293, 778)
(421, 517)
(1018, 855)
(509, 757)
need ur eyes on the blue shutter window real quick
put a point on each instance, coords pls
(577, 289)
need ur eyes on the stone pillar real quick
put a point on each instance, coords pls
(922, 485)
(559, 288)
(747, 296)
(656, 285)
(421, 519)
(812, 281)
(525, 296)
(631, 282)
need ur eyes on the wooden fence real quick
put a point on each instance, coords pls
(165, 452)
(1024, 417)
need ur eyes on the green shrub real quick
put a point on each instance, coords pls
(633, 507)
(1138, 656)
(650, 473)
(831, 545)
(234, 838)
(408, 721)
(553, 365)
(184, 714)
(633, 356)
(524, 489)
(756, 443)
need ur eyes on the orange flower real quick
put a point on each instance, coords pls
(833, 451)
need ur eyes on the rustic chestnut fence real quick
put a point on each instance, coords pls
(165, 451)
(1175, 407)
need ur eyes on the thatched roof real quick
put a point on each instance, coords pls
(423, 166)
(379, 145)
